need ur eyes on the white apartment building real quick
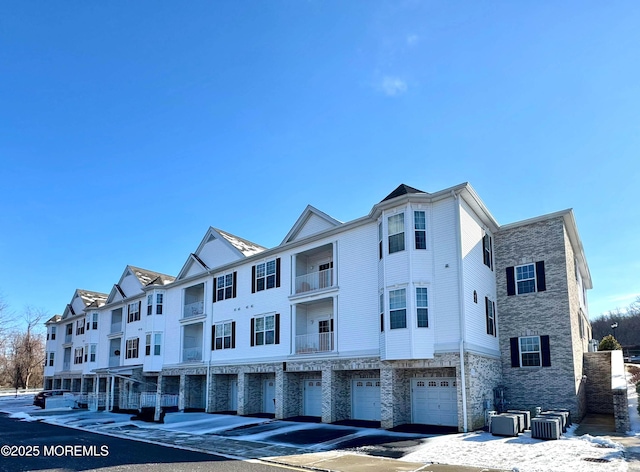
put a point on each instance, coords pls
(393, 318)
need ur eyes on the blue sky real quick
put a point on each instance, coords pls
(128, 128)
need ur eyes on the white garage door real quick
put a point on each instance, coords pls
(366, 399)
(312, 401)
(434, 401)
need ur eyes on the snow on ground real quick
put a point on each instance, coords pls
(632, 395)
(522, 454)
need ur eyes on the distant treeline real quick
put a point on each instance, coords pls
(627, 331)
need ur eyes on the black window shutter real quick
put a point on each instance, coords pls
(545, 351)
(277, 327)
(277, 273)
(139, 307)
(332, 325)
(541, 280)
(491, 253)
(381, 322)
(486, 314)
(253, 327)
(215, 289)
(235, 284)
(253, 280)
(213, 338)
(515, 352)
(511, 281)
(484, 246)
(233, 335)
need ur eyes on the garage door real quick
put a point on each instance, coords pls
(366, 399)
(312, 404)
(434, 401)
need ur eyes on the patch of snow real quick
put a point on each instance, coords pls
(23, 416)
(522, 453)
(634, 417)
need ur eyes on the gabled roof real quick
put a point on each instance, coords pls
(145, 277)
(240, 247)
(310, 212)
(92, 299)
(402, 189)
(53, 319)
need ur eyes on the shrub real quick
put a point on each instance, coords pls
(609, 343)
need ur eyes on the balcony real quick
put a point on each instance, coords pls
(193, 309)
(116, 327)
(312, 343)
(114, 361)
(192, 354)
(66, 365)
(314, 281)
(68, 338)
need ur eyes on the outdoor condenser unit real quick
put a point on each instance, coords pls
(545, 428)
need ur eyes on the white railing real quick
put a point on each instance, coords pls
(114, 361)
(81, 398)
(148, 399)
(169, 399)
(68, 338)
(316, 342)
(66, 365)
(193, 309)
(130, 401)
(314, 281)
(192, 354)
(116, 327)
(96, 401)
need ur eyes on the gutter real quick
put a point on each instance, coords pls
(463, 381)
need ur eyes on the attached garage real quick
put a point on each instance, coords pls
(312, 400)
(434, 401)
(365, 399)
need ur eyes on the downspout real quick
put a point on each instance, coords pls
(463, 382)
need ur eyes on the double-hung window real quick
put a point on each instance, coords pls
(265, 275)
(132, 348)
(133, 311)
(94, 321)
(225, 286)
(396, 233)
(159, 303)
(490, 315)
(92, 352)
(149, 304)
(224, 334)
(153, 343)
(422, 307)
(77, 358)
(420, 229)
(530, 354)
(526, 278)
(79, 327)
(398, 308)
(51, 356)
(265, 330)
(53, 333)
(487, 251)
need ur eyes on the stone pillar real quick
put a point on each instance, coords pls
(328, 398)
(387, 404)
(158, 409)
(212, 388)
(182, 391)
(242, 393)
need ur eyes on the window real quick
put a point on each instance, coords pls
(265, 275)
(381, 312)
(398, 308)
(530, 351)
(53, 333)
(224, 335)
(94, 321)
(77, 358)
(159, 303)
(526, 278)
(265, 330)
(51, 355)
(132, 348)
(225, 286)
(133, 312)
(70, 329)
(490, 315)
(487, 250)
(379, 240)
(149, 305)
(92, 352)
(422, 307)
(79, 327)
(396, 233)
(154, 347)
(420, 229)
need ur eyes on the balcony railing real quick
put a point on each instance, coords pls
(316, 342)
(68, 338)
(96, 401)
(193, 309)
(66, 365)
(191, 354)
(130, 401)
(169, 399)
(116, 327)
(148, 399)
(314, 281)
(114, 361)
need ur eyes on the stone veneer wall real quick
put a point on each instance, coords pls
(598, 385)
(483, 375)
(537, 314)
